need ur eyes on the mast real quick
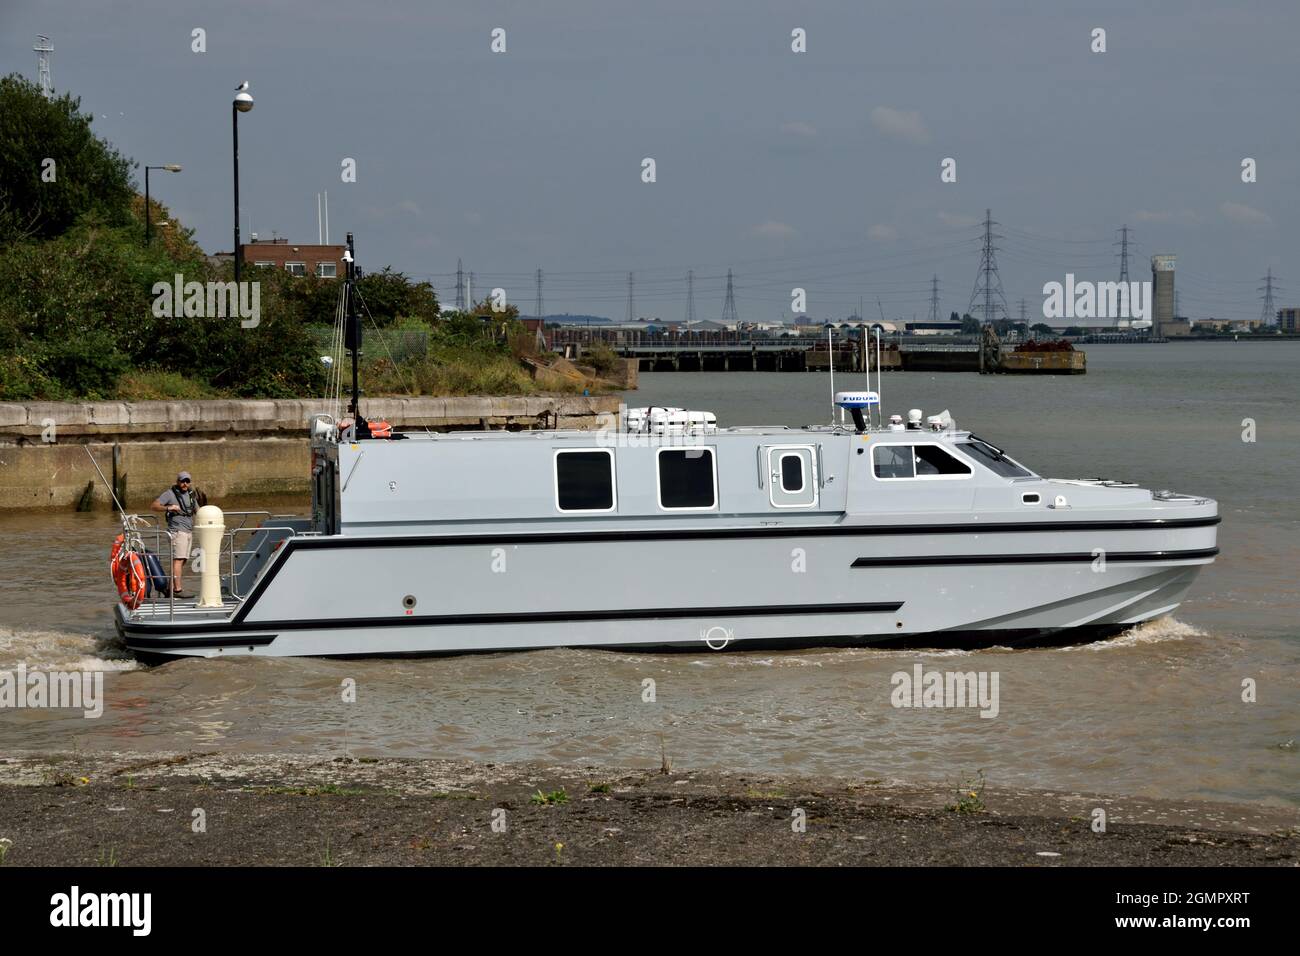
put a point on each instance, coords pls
(352, 339)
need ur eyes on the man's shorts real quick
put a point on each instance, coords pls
(182, 542)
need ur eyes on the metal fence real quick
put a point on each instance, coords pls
(401, 344)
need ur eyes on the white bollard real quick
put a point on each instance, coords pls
(209, 527)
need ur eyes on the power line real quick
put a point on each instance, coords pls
(1269, 314)
(729, 316)
(988, 284)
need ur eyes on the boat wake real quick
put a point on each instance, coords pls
(62, 650)
(1159, 631)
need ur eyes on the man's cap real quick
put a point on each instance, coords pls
(184, 476)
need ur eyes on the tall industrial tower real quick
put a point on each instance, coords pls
(460, 287)
(987, 298)
(1123, 253)
(690, 296)
(1269, 313)
(631, 302)
(729, 316)
(1023, 320)
(43, 49)
(934, 301)
(538, 308)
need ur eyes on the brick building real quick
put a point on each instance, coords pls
(323, 261)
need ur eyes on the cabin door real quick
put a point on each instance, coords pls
(792, 472)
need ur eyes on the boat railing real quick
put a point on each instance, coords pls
(140, 530)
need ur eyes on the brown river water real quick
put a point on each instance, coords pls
(1155, 712)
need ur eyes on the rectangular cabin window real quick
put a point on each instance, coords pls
(791, 473)
(917, 461)
(584, 480)
(893, 461)
(686, 479)
(932, 461)
(993, 459)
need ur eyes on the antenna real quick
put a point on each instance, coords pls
(631, 301)
(43, 49)
(327, 217)
(880, 386)
(460, 287)
(320, 230)
(690, 296)
(538, 312)
(830, 357)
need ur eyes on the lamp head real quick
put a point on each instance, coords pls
(243, 101)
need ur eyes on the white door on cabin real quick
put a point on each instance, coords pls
(792, 472)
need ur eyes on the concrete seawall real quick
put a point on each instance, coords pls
(231, 447)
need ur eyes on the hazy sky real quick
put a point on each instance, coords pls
(817, 169)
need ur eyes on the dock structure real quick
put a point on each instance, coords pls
(725, 351)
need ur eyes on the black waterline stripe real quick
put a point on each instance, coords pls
(1070, 558)
(526, 617)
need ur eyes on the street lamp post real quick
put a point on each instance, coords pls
(171, 168)
(242, 104)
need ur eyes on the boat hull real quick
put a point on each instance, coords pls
(725, 589)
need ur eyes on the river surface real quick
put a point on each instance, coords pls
(1155, 712)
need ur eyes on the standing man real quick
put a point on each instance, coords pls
(178, 503)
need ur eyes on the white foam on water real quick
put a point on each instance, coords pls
(1159, 631)
(62, 650)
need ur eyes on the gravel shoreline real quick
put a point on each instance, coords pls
(137, 809)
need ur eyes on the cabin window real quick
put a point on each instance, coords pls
(686, 478)
(917, 461)
(584, 480)
(791, 473)
(933, 460)
(893, 461)
(993, 459)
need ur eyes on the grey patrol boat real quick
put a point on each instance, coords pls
(665, 531)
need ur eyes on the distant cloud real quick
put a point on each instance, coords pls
(881, 232)
(1246, 215)
(900, 124)
(773, 230)
(958, 222)
(799, 129)
(405, 208)
(1180, 216)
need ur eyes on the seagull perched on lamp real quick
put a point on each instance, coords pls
(242, 87)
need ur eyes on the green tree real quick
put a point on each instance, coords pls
(1041, 328)
(42, 199)
(969, 325)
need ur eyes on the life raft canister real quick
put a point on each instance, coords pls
(128, 575)
(381, 430)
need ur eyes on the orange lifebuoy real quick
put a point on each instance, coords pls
(381, 430)
(116, 550)
(129, 576)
